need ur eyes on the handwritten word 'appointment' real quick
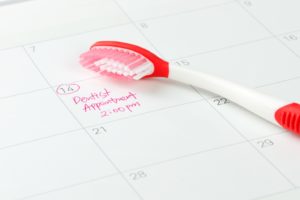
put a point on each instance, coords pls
(102, 99)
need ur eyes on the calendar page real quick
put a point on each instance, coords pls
(156, 139)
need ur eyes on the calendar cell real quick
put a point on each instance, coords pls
(18, 74)
(292, 40)
(50, 164)
(282, 150)
(33, 21)
(277, 16)
(33, 116)
(236, 172)
(210, 29)
(104, 99)
(145, 9)
(253, 65)
(111, 188)
(164, 135)
(58, 60)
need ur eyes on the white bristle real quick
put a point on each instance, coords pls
(109, 69)
(122, 61)
(103, 67)
(143, 73)
(120, 72)
(141, 68)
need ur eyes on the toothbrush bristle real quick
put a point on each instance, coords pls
(111, 60)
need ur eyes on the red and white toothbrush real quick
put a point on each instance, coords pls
(134, 62)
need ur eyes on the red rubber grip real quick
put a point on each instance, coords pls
(289, 117)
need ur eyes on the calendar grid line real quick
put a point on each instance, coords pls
(95, 77)
(137, 28)
(121, 119)
(92, 78)
(236, 45)
(40, 139)
(252, 145)
(159, 52)
(101, 124)
(136, 168)
(24, 93)
(184, 156)
(46, 88)
(161, 162)
(174, 59)
(273, 194)
(146, 113)
(186, 11)
(109, 160)
(63, 37)
(277, 82)
(68, 186)
(294, 53)
(85, 130)
(266, 28)
(199, 153)
(108, 27)
(223, 48)
(138, 21)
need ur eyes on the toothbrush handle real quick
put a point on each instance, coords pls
(274, 110)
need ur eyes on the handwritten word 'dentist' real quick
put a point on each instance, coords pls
(94, 96)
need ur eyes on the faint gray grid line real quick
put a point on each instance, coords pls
(186, 11)
(137, 28)
(65, 36)
(294, 53)
(91, 31)
(273, 194)
(39, 139)
(146, 113)
(117, 120)
(83, 128)
(45, 88)
(153, 164)
(277, 82)
(266, 28)
(252, 145)
(222, 48)
(161, 162)
(196, 153)
(95, 125)
(24, 93)
(68, 186)
(184, 57)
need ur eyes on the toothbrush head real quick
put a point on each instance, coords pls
(122, 59)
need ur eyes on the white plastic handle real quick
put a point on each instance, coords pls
(261, 104)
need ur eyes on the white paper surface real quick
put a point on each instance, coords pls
(165, 141)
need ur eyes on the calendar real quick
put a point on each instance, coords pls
(67, 133)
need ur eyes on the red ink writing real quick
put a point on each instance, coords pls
(133, 105)
(111, 100)
(126, 108)
(107, 104)
(92, 97)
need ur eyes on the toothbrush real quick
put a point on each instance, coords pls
(119, 59)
